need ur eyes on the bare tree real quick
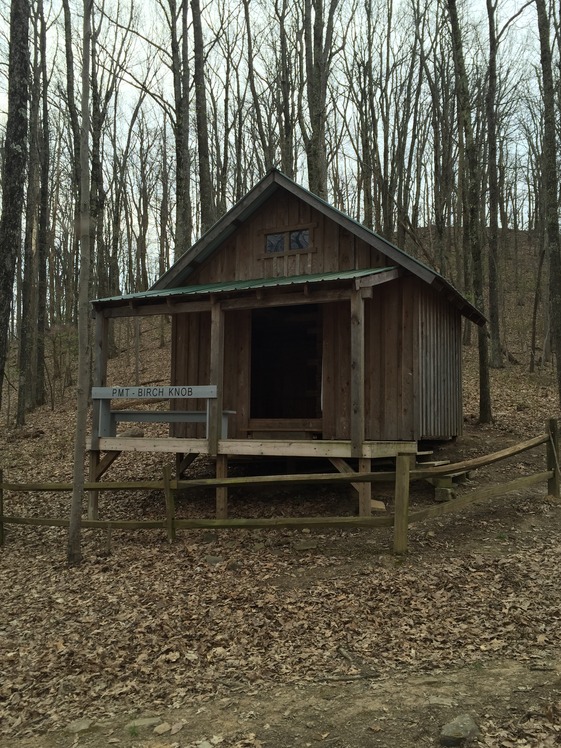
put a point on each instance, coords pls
(549, 167)
(74, 551)
(315, 67)
(15, 166)
(471, 205)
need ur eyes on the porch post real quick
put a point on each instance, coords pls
(357, 373)
(99, 379)
(216, 376)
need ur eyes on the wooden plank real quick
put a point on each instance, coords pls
(296, 479)
(237, 364)
(221, 491)
(481, 494)
(378, 279)
(217, 376)
(357, 373)
(156, 444)
(365, 490)
(146, 309)
(288, 298)
(477, 462)
(183, 462)
(170, 505)
(100, 353)
(93, 496)
(285, 424)
(345, 469)
(104, 464)
(88, 523)
(401, 504)
(312, 448)
(294, 522)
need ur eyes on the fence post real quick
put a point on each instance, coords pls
(554, 483)
(401, 511)
(170, 504)
(1, 507)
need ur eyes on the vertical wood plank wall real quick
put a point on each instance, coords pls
(332, 248)
(440, 367)
(390, 356)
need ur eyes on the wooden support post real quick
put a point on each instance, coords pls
(1, 507)
(99, 379)
(357, 374)
(364, 490)
(93, 496)
(170, 505)
(401, 510)
(554, 483)
(216, 377)
(222, 491)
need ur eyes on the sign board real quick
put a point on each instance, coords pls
(155, 391)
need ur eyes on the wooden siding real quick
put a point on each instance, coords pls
(190, 364)
(440, 372)
(390, 356)
(336, 376)
(332, 248)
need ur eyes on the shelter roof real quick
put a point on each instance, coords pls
(177, 277)
(238, 285)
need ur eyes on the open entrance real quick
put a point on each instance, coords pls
(286, 346)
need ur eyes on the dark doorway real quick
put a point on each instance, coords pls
(286, 345)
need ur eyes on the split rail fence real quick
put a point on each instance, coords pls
(399, 520)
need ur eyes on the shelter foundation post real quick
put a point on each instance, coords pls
(221, 491)
(401, 510)
(93, 496)
(364, 490)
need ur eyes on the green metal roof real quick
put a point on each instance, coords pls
(242, 285)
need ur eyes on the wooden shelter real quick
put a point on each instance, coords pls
(312, 335)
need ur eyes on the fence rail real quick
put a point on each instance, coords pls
(402, 477)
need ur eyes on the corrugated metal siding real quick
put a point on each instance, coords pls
(440, 372)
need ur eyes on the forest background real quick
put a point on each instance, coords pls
(434, 123)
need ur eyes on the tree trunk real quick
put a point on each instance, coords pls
(496, 357)
(74, 554)
(472, 196)
(206, 191)
(549, 170)
(15, 166)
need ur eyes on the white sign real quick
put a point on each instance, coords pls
(154, 391)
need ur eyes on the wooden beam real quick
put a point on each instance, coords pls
(99, 374)
(357, 374)
(155, 444)
(286, 299)
(265, 447)
(93, 496)
(364, 491)
(183, 461)
(150, 310)
(216, 377)
(379, 278)
(170, 505)
(104, 464)
(401, 510)
(221, 491)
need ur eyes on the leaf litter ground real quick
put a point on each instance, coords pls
(256, 638)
